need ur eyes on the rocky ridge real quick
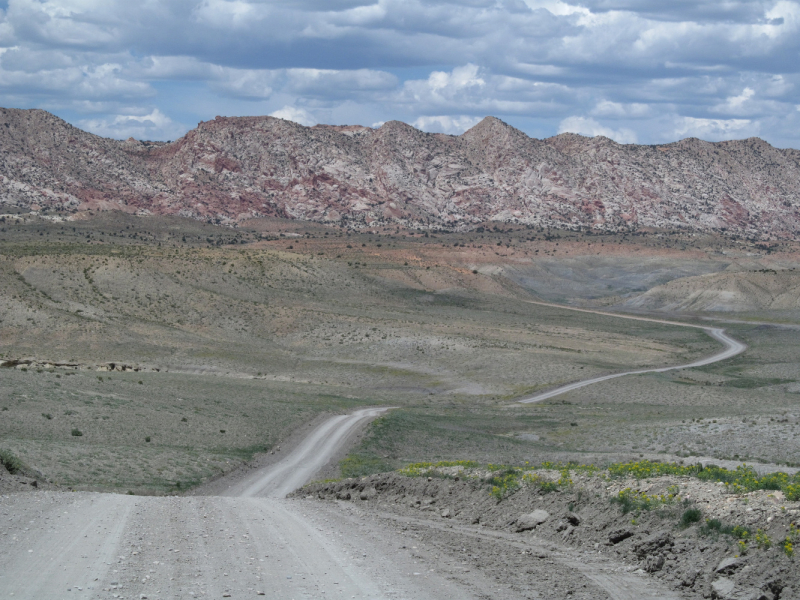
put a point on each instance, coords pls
(232, 169)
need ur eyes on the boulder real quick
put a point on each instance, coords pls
(532, 520)
(572, 519)
(730, 565)
(722, 588)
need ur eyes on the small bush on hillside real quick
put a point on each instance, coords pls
(77, 433)
(11, 463)
(691, 516)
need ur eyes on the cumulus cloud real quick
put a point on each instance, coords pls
(293, 113)
(715, 129)
(589, 127)
(629, 69)
(446, 124)
(636, 110)
(153, 126)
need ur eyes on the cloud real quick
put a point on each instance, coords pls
(636, 110)
(446, 124)
(328, 83)
(443, 88)
(590, 127)
(298, 115)
(629, 69)
(715, 129)
(153, 126)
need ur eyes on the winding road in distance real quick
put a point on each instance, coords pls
(733, 347)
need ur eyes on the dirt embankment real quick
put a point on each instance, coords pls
(702, 542)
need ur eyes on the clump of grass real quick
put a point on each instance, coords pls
(690, 516)
(47, 416)
(424, 469)
(363, 464)
(715, 528)
(545, 485)
(77, 433)
(792, 491)
(763, 540)
(504, 483)
(630, 500)
(10, 461)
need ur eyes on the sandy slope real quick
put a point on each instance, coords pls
(84, 545)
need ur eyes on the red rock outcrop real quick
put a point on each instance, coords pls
(231, 169)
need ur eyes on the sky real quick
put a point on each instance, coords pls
(636, 71)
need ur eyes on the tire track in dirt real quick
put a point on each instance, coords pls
(71, 554)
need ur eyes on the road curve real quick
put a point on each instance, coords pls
(732, 348)
(305, 460)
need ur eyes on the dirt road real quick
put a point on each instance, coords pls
(732, 348)
(82, 545)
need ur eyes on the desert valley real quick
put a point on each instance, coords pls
(378, 323)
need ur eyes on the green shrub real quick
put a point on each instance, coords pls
(363, 464)
(9, 460)
(715, 527)
(788, 547)
(504, 483)
(77, 433)
(763, 540)
(792, 492)
(630, 500)
(691, 516)
(147, 439)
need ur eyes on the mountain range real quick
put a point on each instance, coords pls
(232, 169)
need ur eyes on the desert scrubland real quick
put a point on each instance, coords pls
(154, 355)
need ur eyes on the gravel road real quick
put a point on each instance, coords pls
(254, 541)
(732, 347)
(88, 545)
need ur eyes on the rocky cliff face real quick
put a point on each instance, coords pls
(231, 169)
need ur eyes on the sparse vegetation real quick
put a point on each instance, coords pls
(691, 516)
(10, 462)
(359, 465)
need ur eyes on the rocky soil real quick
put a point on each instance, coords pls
(232, 169)
(693, 560)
